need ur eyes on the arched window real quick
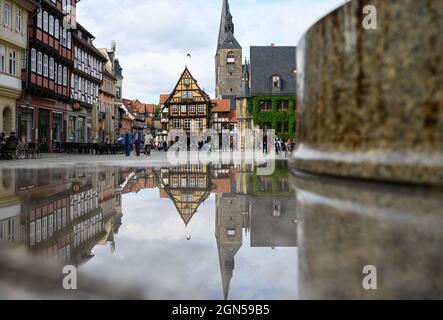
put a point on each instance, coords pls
(7, 120)
(230, 59)
(6, 178)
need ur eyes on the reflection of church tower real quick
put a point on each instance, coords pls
(229, 235)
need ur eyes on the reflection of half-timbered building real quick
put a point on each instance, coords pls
(65, 213)
(10, 231)
(187, 186)
(188, 106)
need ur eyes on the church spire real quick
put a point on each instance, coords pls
(244, 88)
(226, 24)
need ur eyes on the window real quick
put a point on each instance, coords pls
(51, 25)
(276, 81)
(201, 108)
(51, 68)
(198, 123)
(65, 37)
(187, 123)
(7, 14)
(18, 20)
(56, 28)
(24, 59)
(265, 105)
(65, 76)
(40, 19)
(33, 60)
(39, 62)
(192, 108)
(174, 109)
(201, 182)
(60, 74)
(69, 40)
(45, 21)
(183, 182)
(187, 94)
(176, 123)
(230, 58)
(118, 92)
(183, 109)
(45, 65)
(192, 182)
(76, 83)
(2, 58)
(283, 105)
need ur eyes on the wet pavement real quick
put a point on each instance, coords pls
(213, 231)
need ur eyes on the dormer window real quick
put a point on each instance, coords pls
(230, 59)
(276, 82)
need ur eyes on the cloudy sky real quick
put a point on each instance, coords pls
(154, 36)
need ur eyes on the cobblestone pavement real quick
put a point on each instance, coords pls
(156, 159)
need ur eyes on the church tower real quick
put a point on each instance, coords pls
(228, 59)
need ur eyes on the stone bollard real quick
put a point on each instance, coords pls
(370, 101)
(368, 170)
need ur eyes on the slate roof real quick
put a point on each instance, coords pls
(226, 39)
(266, 62)
(118, 69)
(230, 42)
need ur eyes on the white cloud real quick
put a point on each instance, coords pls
(154, 36)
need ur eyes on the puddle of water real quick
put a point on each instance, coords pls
(215, 232)
(186, 232)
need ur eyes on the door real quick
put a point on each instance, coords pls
(43, 129)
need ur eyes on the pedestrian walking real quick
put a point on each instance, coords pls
(128, 143)
(149, 143)
(138, 142)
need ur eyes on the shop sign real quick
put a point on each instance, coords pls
(76, 106)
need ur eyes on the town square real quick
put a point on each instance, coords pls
(250, 150)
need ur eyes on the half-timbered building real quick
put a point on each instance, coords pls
(188, 106)
(86, 79)
(46, 74)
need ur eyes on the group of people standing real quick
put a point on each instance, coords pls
(138, 142)
(4, 141)
(279, 144)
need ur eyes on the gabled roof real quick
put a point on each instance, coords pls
(269, 61)
(187, 73)
(221, 105)
(150, 108)
(163, 98)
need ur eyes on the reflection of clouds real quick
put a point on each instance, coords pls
(152, 253)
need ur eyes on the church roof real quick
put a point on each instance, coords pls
(226, 39)
(270, 61)
(230, 42)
